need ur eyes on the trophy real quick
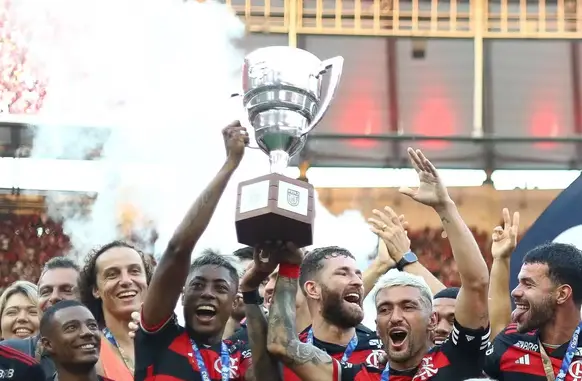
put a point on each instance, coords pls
(281, 98)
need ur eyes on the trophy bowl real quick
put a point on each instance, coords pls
(281, 95)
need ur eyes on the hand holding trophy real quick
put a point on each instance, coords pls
(281, 96)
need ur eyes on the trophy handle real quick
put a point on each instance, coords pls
(336, 65)
(244, 120)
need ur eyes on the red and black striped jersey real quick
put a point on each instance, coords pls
(460, 357)
(165, 353)
(367, 351)
(515, 356)
(17, 366)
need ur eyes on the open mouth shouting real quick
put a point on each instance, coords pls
(521, 308)
(205, 313)
(398, 338)
(354, 298)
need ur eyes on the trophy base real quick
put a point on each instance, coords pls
(275, 208)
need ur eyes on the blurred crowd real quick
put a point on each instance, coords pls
(28, 241)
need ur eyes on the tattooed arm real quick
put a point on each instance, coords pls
(305, 360)
(172, 271)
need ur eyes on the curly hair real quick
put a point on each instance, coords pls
(88, 277)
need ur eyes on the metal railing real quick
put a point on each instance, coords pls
(545, 19)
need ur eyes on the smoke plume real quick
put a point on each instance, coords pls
(157, 76)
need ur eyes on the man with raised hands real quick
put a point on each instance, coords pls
(404, 306)
(164, 349)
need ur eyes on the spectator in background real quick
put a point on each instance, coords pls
(19, 314)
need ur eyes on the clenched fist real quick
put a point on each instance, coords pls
(236, 139)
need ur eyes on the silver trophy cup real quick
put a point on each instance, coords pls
(282, 100)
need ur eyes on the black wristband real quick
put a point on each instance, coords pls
(252, 297)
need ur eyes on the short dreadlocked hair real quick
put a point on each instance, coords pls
(211, 258)
(88, 277)
(313, 262)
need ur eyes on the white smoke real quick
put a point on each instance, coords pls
(158, 74)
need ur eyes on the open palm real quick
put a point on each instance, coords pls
(431, 190)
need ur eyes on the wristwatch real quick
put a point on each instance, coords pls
(406, 260)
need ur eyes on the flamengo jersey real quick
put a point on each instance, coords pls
(460, 357)
(516, 356)
(16, 366)
(367, 352)
(165, 354)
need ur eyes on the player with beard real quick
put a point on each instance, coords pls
(404, 307)
(164, 349)
(71, 336)
(504, 241)
(334, 291)
(543, 342)
(380, 265)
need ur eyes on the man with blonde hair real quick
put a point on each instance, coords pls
(405, 320)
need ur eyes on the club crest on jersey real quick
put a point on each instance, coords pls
(575, 370)
(373, 358)
(426, 370)
(233, 367)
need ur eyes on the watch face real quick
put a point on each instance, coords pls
(410, 257)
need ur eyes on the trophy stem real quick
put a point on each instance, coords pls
(279, 161)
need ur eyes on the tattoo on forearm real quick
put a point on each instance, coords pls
(301, 353)
(445, 220)
(263, 366)
(282, 324)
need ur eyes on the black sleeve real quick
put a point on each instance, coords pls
(348, 370)
(170, 328)
(466, 347)
(34, 373)
(241, 335)
(148, 344)
(21, 345)
(493, 355)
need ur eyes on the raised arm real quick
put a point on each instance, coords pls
(305, 360)
(504, 242)
(379, 266)
(471, 310)
(389, 227)
(264, 366)
(172, 270)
